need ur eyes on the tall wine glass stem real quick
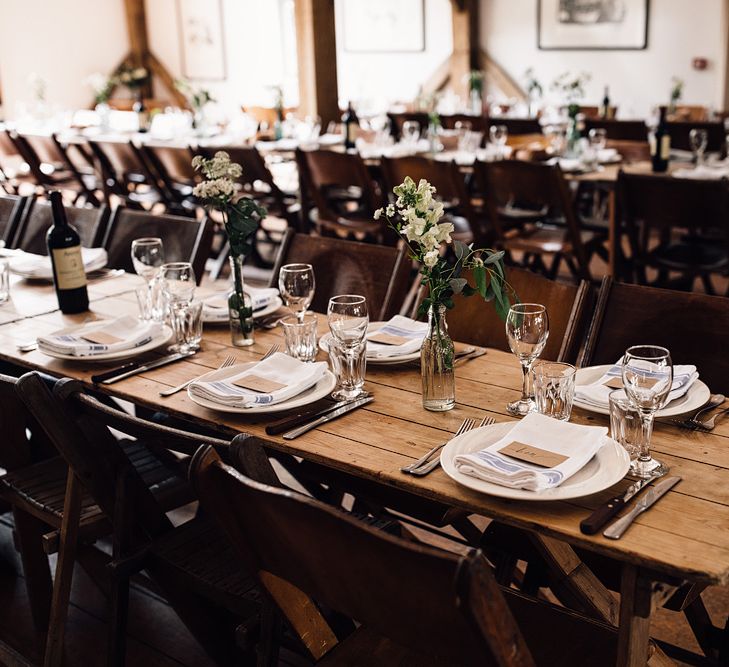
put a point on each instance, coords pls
(525, 384)
(646, 423)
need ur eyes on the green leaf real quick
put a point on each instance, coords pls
(469, 291)
(460, 248)
(493, 258)
(457, 284)
(479, 275)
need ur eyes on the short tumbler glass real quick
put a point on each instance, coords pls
(554, 389)
(625, 424)
(186, 318)
(349, 364)
(300, 336)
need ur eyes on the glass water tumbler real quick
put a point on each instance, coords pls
(554, 389)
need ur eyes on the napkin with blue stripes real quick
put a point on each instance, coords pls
(402, 327)
(578, 443)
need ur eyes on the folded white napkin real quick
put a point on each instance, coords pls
(579, 443)
(597, 393)
(607, 155)
(397, 326)
(129, 331)
(215, 306)
(38, 267)
(703, 172)
(295, 375)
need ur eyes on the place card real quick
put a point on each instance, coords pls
(388, 339)
(532, 454)
(258, 384)
(101, 338)
(614, 383)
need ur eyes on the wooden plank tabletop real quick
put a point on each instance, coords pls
(685, 535)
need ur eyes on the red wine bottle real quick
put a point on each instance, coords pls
(64, 248)
(660, 143)
(350, 123)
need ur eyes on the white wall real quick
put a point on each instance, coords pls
(63, 41)
(679, 30)
(388, 77)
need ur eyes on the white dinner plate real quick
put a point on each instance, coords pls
(376, 361)
(321, 389)
(163, 338)
(608, 466)
(697, 395)
(257, 314)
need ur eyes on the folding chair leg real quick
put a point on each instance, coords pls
(64, 573)
(119, 612)
(29, 531)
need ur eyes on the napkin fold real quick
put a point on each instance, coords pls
(703, 172)
(596, 394)
(130, 331)
(295, 375)
(38, 267)
(215, 306)
(578, 443)
(397, 326)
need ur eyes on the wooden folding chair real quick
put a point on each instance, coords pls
(415, 605)
(172, 167)
(12, 209)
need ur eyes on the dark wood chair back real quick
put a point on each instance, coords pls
(515, 126)
(184, 239)
(173, 163)
(255, 169)
(620, 130)
(631, 151)
(692, 326)
(593, 112)
(475, 322)
(12, 208)
(398, 119)
(90, 223)
(679, 131)
(379, 273)
(295, 542)
(123, 167)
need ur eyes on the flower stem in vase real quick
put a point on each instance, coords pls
(436, 363)
(240, 308)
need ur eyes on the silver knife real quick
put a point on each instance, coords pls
(148, 367)
(616, 530)
(295, 433)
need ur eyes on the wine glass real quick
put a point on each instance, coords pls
(498, 134)
(698, 139)
(598, 138)
(527, 328)
(296, 284)
(148, 255)
(178, 282)
(647, 380)
(348, 320)
(410, 132)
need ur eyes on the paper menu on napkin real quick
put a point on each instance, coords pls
(284, 376)
(101, 337)
(572, 445)
(395, 338)
(38, 267)
(215, 306)
(598, 392)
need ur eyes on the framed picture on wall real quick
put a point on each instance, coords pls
(592, 24)
(383, 25)
(202, 46)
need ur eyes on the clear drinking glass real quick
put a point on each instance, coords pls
(148, 255)
(625, 424)
(698, 139)
(297, 284)
(4, 280)
(348, 319)
(527, 328)
(410, 131)
(186, 319)
(554, 388)
(498, 134)
(598, 138)
(178, 282)
(300, 337)
(647, 380)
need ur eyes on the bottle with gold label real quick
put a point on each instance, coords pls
(64, 248)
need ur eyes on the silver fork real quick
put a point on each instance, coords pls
(466, 425)
(707, 424)
(271, 351)
(427, 468)
(227, 362)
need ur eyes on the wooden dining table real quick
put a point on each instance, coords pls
(681, 544)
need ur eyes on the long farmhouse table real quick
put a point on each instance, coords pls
(682, 543)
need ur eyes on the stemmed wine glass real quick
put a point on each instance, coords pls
(296, 284)
(498, 134)
(348, 320)
(698, 139)
(148, 255)
(647, 380)
(527, 328)
(410, 132)
(178, 282)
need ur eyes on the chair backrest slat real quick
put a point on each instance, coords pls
(12, 208)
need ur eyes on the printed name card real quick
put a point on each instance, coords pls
(388, 339)
(532, 454)
(101, 338)
(258, 384)
(614, 383)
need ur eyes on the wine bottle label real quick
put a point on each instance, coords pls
(351, 132)
(652, 143)
(69, 268)
(665, 146)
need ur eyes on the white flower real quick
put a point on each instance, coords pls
(214, 189)
(377, 214)
(429, 239)
(445, 229)
(430, 259)
(390, 211)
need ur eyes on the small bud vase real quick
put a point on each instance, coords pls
(240, 308)
(436, 363)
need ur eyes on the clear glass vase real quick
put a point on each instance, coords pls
(476, 102)
(436, 363)
(240, 308)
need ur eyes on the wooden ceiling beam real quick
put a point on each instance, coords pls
(466, 43)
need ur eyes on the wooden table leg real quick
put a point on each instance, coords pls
(635, 613)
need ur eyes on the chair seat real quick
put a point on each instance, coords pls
(539, 239)
(690, 256)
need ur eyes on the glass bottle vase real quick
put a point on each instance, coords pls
(436, 363)
(240, 307)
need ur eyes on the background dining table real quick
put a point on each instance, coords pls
(681, 544)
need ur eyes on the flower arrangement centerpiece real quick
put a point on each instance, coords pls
(534, 91)
(676, 93)
(475, 80)
(416, 217)
(132, 77)
(241, 217)
(102, 86)
(197, 98)
(572, 89)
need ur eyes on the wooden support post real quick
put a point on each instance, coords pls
(317, 54)
(138, 44)
(466, 46)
